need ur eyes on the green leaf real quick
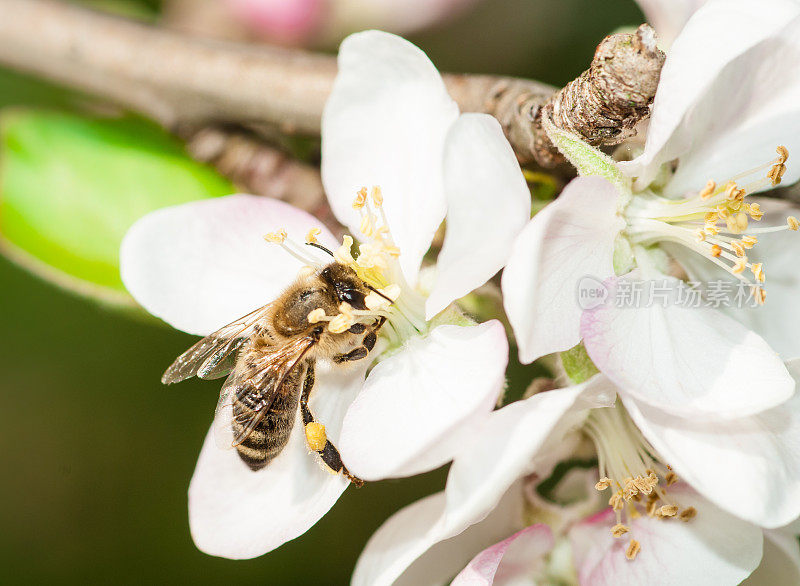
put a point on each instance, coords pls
(577, 364)
(70, 188)
(585, 158)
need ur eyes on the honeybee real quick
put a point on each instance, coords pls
(269, 356)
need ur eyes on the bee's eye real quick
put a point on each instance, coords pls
(352, 296)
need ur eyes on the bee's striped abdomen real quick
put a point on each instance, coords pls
(271, 434)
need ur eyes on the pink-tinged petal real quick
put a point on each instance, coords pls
(488, 204)
(201, 265)
(701, 103)
(503, 448)
(780, 563)
(668, 17)
(418, 405)
(385, 125)
(417, 546)
(237, 513)
(570, 243)
(712, 548)
(749, 467)
(695, 362)
(527, 550)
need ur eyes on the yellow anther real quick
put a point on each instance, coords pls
(793, 223)
(749, 241)
(783, 154)
(759, 295)
(687, 514)
(316, 315)
(738, 249)
(715, 250)
(755, 212)
(616, 502)
(361, 199)
(708, 190)
(737, 223)
(700, 236)
(739, 266)
(731, 190)
(711, 230)
(671, 478)
(667, 511)
(276, 237)
(711, 217)
(758, 272)
(776, 172)
(633, 550)
(311, 237)
(375, 302)
(619, 530)
(723, 212)
(377, 196)
(316, 436)
(603, 483)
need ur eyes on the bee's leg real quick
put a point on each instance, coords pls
(316, 436)
(368, 343)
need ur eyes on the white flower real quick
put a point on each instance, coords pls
(737, 477)
(199, 266)
(729, 94)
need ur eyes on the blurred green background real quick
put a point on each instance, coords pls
(96, 455)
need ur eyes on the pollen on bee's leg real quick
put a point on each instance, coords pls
(316, 436)
(316, 315)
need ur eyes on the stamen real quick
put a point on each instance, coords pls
(793, 223)
(603, 483)
(667, 511)
(687, 514)
(311, 237)
(619, 530)
(708, 190)
(276, 237)
(633, 549)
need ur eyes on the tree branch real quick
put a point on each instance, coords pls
(182, 80)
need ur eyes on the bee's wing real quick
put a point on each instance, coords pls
(212, 356)
(250, 390)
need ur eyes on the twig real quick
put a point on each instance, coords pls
(183, 80)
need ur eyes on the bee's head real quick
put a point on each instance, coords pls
(345, 284)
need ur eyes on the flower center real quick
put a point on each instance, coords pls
(714, 222)
(376, 263)
(628, 466)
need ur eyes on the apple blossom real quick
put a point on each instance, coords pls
(695, 493)
(434, 373)
(694, 210)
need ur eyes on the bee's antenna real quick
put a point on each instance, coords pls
(374, 290)
(318, 245)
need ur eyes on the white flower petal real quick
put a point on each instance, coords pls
(780, 563)
(695, 362)
(697, 107)
(201, 265)
(385, 124)
(419, 547)
(237, 513)
(511, 559)
(712, 548)
(418, 405)
(668, 17)
(488, 204)
(503, 448)
(750, 466)
(567, 244)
